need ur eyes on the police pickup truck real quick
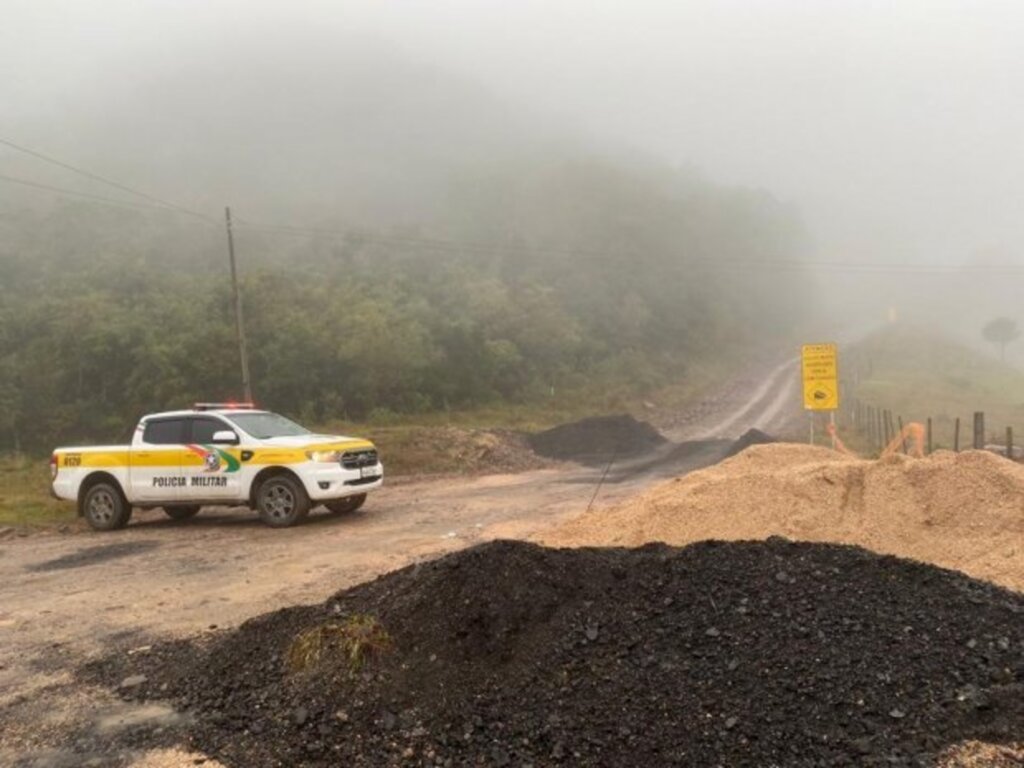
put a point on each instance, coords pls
(220, 454)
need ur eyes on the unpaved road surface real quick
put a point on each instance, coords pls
(67, 597)
(769, 406)
(767, 398)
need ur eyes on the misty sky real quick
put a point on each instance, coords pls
(897, 128)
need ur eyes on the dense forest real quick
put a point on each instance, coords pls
(592, 277)
(406, 242)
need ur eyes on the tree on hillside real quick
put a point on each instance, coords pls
(1001, 332)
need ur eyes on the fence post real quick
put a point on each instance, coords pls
(929, 435)
(1009, 443)
(979, 430)
(903, 439)
(956, 436)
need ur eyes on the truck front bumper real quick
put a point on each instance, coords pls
(332, 481)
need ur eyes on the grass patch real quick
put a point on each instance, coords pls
(918, 375)
(353, 642)
(25, 499)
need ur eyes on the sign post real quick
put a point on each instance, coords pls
(820, 366)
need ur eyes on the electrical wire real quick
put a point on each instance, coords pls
(96, 177)
(715, 264)
(494, 249)
(89, 195)
(355, 235)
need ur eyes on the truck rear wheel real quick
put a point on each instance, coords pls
(105, 508)
(181, 512)
(346, 505)
(282, 501)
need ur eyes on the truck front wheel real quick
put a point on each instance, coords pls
(282, 501)
(105, 508)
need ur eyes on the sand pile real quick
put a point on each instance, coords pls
(962, 511)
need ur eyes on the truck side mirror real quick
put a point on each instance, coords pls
(225, 437)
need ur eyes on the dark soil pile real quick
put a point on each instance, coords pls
(597, 440)
(749, 438)
(509, 654)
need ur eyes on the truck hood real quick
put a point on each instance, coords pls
(303, 441)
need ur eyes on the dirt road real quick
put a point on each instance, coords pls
(769, 406)
(64, 598)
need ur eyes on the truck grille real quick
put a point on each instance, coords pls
(357, 459)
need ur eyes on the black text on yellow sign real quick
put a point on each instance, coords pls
(819, 363)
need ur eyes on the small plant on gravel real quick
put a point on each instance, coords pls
(355, 640)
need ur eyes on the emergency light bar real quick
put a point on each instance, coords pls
(223, 406)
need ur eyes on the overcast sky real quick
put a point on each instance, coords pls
(897, 127)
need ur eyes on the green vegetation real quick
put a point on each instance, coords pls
(597, 285)
(917, 375)
(25, 499)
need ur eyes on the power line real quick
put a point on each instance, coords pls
(715, 264)
(494, 249)
(86, 195)
(102, 179)
(426, 242)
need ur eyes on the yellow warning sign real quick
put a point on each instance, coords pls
(821, 377)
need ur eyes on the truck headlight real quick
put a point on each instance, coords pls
(326, 457)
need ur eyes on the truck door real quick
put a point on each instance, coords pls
(211, 470)
(155, 473)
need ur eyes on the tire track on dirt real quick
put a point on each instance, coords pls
(761, 409)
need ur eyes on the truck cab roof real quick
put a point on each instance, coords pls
(223, 409)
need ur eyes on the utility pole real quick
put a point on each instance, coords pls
(239, 324)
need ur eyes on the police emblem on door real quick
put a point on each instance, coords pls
(214, 459)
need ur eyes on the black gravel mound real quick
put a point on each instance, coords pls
(509, 654)
(749, 438)
(597, 440)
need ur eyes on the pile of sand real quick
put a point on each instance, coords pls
(962, 511)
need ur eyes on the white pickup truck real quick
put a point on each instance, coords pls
(217, 454)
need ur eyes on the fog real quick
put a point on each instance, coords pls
(892, 132)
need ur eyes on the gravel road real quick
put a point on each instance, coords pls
(65, 598)
(767, 398)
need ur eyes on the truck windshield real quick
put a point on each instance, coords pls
(264, 425)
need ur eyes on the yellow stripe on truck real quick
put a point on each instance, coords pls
(147, 457)
(104, 459)
(183, 457)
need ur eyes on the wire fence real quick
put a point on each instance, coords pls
(878, 427)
